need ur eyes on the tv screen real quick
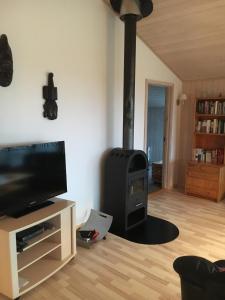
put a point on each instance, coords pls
(30, 175)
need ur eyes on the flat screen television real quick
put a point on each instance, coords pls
(31, 175)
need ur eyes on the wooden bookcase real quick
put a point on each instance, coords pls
(205, 174)
(44, 255)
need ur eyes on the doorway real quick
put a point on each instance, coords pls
(157, 133)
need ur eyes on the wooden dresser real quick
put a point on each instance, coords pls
(205, 180)
(205, 174)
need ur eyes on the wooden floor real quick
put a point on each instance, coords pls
(116, 269)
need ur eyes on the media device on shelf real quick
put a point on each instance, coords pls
(31, 175)
(23, 237)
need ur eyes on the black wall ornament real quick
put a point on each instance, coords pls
(50, 95)
(6, 62)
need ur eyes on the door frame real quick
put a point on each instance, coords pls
(167, 125)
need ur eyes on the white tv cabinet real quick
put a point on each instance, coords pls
(44, 254)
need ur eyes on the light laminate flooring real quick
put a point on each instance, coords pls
(117, 269)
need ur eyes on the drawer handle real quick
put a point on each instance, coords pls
(139, 204)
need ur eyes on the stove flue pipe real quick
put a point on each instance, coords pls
(130, 11)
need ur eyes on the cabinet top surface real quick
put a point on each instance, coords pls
(211, 98)
(9, 224)
(209, 115)
(195, 163)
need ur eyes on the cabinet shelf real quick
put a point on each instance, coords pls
(193, 163)
(213, 116)
(212, 134)
(30, 256)
(211, 99)
(40, 271)
(46, 234)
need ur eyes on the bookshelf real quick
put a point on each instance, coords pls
(205, 174)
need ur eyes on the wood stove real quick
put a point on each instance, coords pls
(126, 169)
(126, 188)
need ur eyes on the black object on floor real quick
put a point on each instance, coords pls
(152, 231)
(200, 278)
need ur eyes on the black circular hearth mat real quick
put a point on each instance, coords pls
(153, 231)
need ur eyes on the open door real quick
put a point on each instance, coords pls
(157, 134)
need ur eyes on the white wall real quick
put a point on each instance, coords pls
(148, 66)
(81, 42)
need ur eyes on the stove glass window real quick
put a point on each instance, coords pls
(137, 186)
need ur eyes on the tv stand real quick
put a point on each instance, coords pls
(43, 255)
(29, 209)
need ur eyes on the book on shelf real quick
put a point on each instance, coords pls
(216, 108)
(215, 126)
(220, 156)
(208, 126)
(210, 107)
(214, 156)
(208, 157)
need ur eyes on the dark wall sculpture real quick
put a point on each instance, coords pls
(6, 62)
(50, 95)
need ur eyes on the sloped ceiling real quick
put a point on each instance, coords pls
(188, 36)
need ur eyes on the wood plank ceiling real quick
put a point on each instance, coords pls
(188, 36)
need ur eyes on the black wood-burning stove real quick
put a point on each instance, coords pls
(126, 169)
(126, 188)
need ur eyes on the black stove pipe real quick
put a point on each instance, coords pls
(129, 81)
(131, 11)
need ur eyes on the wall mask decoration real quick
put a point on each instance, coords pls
(50, 95)
(6, 62)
